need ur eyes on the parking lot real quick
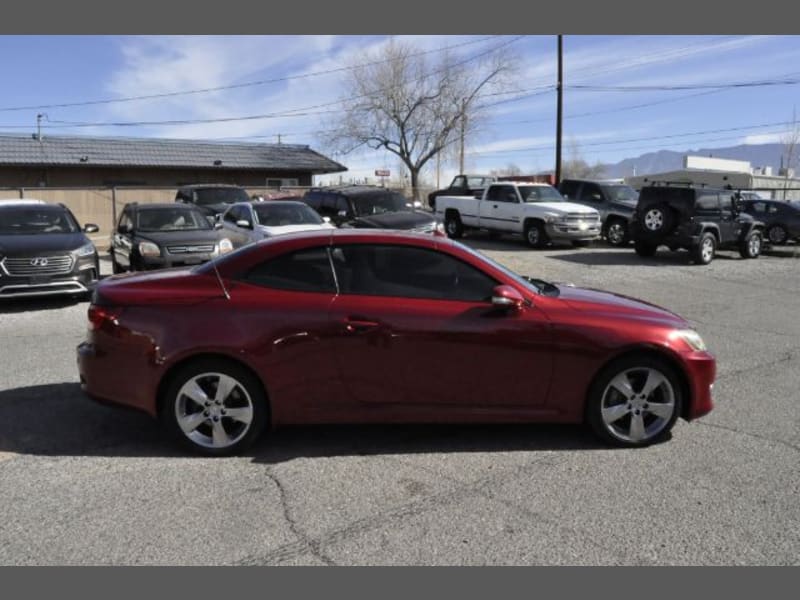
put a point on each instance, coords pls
(83, 483)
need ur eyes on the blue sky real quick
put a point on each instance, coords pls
(607, 126)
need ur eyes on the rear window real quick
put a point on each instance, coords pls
(652, 195)
(210, 196)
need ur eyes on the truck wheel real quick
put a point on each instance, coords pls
(750, 246)
(616, 232)
(535, 234)
(703, 252)
(777, 235)
(644, 249)
(453, 226)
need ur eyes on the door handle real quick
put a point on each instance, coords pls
(359, 325)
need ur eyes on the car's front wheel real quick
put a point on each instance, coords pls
(616, 232)
(635, 401)
(777, 235)
(750, 246)
(452, 225)
(215, 407)
(535, 234)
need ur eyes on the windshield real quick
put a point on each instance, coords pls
(527, 283)
(378, 204)
(209, 196)
(540, 193)
(277, 215)
(621, 193)
(477, 182)
(36, 219)
(171, 219)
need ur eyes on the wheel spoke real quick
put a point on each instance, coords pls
(654, 380)
(661, 409)
(622, 385)
(636, 431)
(243, 415)
(195, 393)
(224, 388)
(219, 435)
(188, 423)
(615, 413)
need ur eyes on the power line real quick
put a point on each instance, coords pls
(650, 88)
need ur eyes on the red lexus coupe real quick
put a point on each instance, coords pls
(350, 326)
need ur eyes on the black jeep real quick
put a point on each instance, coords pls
(698, 219)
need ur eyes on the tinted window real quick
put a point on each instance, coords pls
(36, 219)
(707, 204)
(379, 203)
(125, 220)
(279, 214)
(178, 218)
(303, 271)
(502, 193)
(620, 193)
(569, 189)
(209, 196)
(757, 207)
(540, 193)
(591, 193)
(313, 200)
(408, 272)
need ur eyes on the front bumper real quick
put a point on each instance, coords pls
(572, 231)
(701, 370)
(168, 261)
(80, 280)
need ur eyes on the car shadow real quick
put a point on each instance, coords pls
(59, 420)
(483, 241)
(30, 304)
(664, 258)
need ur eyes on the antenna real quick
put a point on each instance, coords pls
(219, 278)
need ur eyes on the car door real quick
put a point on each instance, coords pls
(122, 239)
(728, 227)
(497, 208)
(415, 331)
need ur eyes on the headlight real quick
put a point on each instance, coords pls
(439, 227)
(86, 250)
(225, 246)
(692, 339)
(149, 249)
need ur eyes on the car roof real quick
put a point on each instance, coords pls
(519, 183)
(195, 186)
(162, 206)
(355, 190)
(21, 202)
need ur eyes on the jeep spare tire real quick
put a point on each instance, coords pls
(657, 220)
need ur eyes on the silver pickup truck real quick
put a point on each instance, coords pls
(535, 210)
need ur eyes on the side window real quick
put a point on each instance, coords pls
(758, 207)
(459, 182)
(569, 189)
(230, 216)
(502, 193)
(408, 272)
(591, 193)
(342, 205)
(312, 200)
(775, 209)
(328, 205)
(707, 205)
(306, 270)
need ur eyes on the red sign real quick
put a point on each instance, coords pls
(381, 172)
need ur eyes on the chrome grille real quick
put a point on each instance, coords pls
(191, 249)
(577, 217)
(38, 265)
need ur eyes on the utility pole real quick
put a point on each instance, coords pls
(463, 135)
(279, 138)
(39, 126)
(559, 113)
(438, 163)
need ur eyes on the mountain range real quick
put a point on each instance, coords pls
(759, 155)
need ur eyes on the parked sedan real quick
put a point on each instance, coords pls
(365, 327)
(44, 251)
(156, 236)
(248, 222)
(782, 219)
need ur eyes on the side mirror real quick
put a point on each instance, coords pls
(244, 223)
(505, 296)
(218, 225)
(90, 228)
(326, 219)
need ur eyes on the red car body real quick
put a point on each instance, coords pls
(339, 358)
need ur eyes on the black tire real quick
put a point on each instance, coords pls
(581, 243)
(657, 220)
(777, 235)
(535, 235)
(705, 250)
(246, 394)
(614, 413)
(116, 268)
(616, 232)
(452, 225)
(750, 246)
(644, 249)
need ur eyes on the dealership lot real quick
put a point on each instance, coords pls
(82, 483)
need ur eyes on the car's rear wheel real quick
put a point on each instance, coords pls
(215, 407)
(751, 245)
(535, 234)
(616, 232)
(777, 235)
(703, 253)
(452, 225)
(644, 249)
(635, 401)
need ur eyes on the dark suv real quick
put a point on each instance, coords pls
(44, 251)
(212, 198)
(698, 219)
(614, 201)
(365, 206)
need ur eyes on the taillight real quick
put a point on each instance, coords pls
(98, 315)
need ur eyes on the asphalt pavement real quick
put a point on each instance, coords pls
(82, 483)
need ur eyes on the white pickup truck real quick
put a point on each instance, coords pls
(536, 210)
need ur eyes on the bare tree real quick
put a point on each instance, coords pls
(576, 167)
(790, 141)
(509, 170)
(412, 107)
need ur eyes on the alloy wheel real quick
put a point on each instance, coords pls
(654, 219)
(638, 404)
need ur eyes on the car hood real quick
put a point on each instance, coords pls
(562, 208)
(195, 236)
(626, 204)
(270, 231)
(608, 303)
(396, 220)
(41, 244)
